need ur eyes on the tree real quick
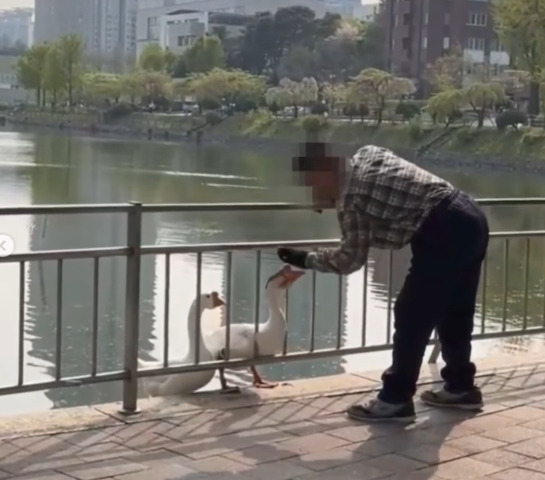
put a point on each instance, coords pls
(375, 86)
(483, 96)
(233, 87)
(154, 86)
(70, 53)
(447, 72)
(520, 25)
(54, 79)
(268, 37)
(204, 55)
(156, 59)
(30, 69)
(101, 86)
(294, 94)
(444, 106)
(297, 63)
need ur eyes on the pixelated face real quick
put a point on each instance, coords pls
(319, 171)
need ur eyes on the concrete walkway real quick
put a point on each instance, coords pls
(293, 432)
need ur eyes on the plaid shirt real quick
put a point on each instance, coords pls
(385, 201)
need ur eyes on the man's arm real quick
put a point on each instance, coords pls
(351, 254)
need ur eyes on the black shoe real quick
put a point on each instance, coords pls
(471, 400)
(376, 410)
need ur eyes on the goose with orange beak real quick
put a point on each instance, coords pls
(246, 343)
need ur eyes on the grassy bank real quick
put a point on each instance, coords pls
(526, 142)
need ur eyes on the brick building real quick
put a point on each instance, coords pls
(418, 32)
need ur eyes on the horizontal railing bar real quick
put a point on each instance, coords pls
(306, 355)
(67, 254)
(221, 247)
(65, 382)
(213, 207)
(65, 209)
(233, 207)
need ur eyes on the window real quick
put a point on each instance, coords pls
(446, 43)
(424, 43)
(477, 19)
(407, 19)
(496, 46)
(406, 43)
(475, 43)
(447, 18)
(426, 18)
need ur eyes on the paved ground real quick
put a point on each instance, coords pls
(298, 433)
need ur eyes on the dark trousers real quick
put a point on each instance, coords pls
(439, 292)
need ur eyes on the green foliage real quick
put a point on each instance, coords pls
(118, 112)
(100, 86)
(227, 86)
(293, 43)
(313, 125)
(293, 94)
(510, 118)
(532, 136)
(31, 69)
(374, 87)
(521, 28)
(482, 97)
(415, 129)
(156, 59)
(444, 106)
(466, 135)
(204, 55)
(69, 57)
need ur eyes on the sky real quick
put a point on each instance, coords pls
(30, 3)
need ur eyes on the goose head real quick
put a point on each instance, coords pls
(283, 279)
(210, 301)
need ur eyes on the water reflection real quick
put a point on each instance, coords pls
(46, 168)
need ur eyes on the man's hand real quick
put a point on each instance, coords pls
(294, 257)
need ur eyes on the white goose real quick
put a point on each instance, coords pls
(184, 383)
(268, 341)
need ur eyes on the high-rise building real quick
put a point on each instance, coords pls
(418, 32)
(16, 27)
(106, 26)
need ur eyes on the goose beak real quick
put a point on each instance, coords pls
(293, 275)
(217, 301)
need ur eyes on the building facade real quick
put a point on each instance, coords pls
(156, 24)
(16, 27)
(106, 26)
(418, 32)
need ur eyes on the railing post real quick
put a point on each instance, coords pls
(132, 310)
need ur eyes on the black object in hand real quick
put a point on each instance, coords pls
(294, 257)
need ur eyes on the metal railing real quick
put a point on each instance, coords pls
(134, 251)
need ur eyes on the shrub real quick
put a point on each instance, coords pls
(532, 136)
(511, 118)
(318, 108)
(313, 124)
(118, 111)
(407, 110)
(465, 135)
(212, 118)
(415, 128)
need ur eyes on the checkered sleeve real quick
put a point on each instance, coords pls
(352, 252)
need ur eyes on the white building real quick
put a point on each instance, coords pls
(168, 25)
(16, 27)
